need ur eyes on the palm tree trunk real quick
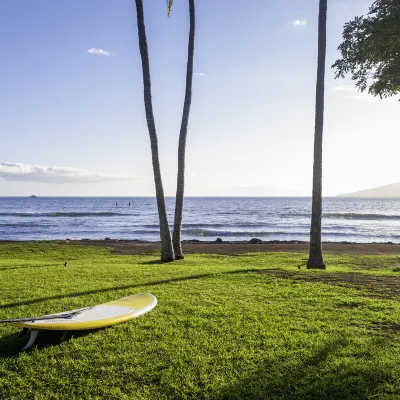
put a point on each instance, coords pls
(167, 251)
(315, 259)
(180, 187)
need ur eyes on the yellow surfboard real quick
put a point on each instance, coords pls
(100, 316)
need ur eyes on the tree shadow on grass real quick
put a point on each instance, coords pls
(113, 288)
(153, 262)
(12, 345)
(319, 376)
(274, 272)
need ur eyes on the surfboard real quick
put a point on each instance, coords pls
(99, 316)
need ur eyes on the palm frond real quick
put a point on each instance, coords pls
(169, 6)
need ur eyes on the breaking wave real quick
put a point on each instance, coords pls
(362, 216)
(337, 215)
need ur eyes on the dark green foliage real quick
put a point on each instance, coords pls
(169, 6)
(370, 51)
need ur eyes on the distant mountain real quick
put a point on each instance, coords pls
(387, 191)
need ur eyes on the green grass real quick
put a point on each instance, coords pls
(225, 327)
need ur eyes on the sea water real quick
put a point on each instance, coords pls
(231, 219)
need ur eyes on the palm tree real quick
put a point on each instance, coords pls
(316, 259)
(182, 139)
(167, 251)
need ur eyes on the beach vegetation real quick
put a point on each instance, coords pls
(370, 51)
(167, 251)
(180, 187)
(316, 259)
(245, 326)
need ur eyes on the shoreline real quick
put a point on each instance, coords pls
(129, 247)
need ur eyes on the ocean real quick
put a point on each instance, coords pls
(205, 218)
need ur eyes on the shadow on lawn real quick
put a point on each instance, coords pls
(153, 262)
(319, 376)
(375, 285)
(12, 345)
(96, 291)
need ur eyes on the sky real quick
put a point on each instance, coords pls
(72, 114)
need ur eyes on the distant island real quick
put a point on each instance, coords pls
(33, 196)
(387, 191)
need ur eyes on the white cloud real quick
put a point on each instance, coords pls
(191, 174)
(56, 175)
(298, 22)
(100, 52)
(200, 74)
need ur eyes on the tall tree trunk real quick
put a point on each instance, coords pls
(182, 139)
(167, 251)
(315, 259)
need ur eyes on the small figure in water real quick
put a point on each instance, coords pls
(116, 204)
(129, 204)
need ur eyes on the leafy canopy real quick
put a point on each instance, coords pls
(371, 50)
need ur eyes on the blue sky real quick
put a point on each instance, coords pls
(73, 118)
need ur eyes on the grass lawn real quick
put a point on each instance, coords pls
(248, 326)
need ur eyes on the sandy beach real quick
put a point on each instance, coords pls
(230, 248)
